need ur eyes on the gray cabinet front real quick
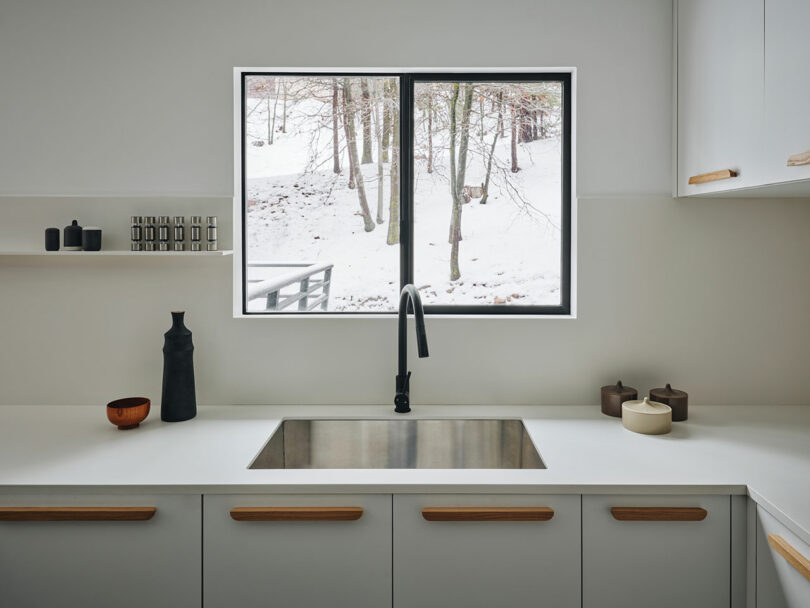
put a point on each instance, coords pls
(484, 563)
(93, 562)
(662, 551)
(297, 551)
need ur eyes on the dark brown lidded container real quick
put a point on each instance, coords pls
(614, 395)
(677, 400)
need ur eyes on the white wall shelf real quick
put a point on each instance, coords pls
(112, 252)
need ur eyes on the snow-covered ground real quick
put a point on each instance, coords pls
(299, 210)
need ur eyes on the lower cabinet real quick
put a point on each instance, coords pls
(486, 550)
(783, 565)
(662, 551)
(297, 551)
(100, 551)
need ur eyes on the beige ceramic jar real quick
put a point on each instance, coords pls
(647, 417)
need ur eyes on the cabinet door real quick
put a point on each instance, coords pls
(780, 583)
(297, 551)
(656, 553)
(116, 557)
(473, 560)
(720, 92)
(787, 87)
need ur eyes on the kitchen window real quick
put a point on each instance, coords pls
(354, 184)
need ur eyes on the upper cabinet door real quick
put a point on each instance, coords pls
(720, 93)
(787, 88)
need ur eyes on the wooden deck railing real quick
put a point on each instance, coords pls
(311, 292)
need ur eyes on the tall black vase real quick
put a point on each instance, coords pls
(179, 401)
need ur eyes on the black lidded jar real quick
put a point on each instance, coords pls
(613, 395)
(677, 400)
(178, 401)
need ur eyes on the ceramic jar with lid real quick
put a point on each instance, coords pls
(613, 395)
(647, 417)
(72, 239)
(677, 400)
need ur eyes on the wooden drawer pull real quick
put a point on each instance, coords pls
(296, 513)
(488, 513)
(712, 177)
(76, 513)
(793, 557)
(658, 513)
(797, 160)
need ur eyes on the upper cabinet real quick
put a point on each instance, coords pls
(787, 91)
(720, 94)
(743, 71)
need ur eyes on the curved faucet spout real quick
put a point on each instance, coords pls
(409, 295)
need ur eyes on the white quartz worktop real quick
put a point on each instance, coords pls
(762, 451)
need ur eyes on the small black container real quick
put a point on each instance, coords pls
(73, 237)
(178, 401)
(52, 239)
(91, 238)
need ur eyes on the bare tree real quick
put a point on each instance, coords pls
(351, 144)
(393, 207)
(485, 187)
(513, 112)
(365, 116)
(386, 128)
(430, 111)
(284, 108)
(378, 130)
(335, 131)
(458, 171)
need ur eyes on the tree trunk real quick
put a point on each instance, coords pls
(365, 108)
(500, 113)
(272, 127)
(515, 167)
(284, 117)
(335, 133)
(386, 128)
(430, 133)
(489, 170)
(393, 207)
(457, 174)
(380, 179)
(344, 112)
(351, 144)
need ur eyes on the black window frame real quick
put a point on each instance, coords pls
(406, 144)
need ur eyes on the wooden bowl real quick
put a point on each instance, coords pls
(128, 413)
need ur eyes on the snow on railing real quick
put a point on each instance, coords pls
(302, 274)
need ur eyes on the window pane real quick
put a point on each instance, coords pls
(494, 235)
(322, 209)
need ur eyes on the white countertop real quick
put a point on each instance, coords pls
(762, 451)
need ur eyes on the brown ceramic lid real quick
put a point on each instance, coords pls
(667, 392)
(619, 389)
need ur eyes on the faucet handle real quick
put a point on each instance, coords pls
(402, 400)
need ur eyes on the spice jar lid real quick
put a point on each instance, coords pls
(668, 392)
(646, 406)
(619, 389)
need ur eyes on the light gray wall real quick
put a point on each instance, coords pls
(131, 103)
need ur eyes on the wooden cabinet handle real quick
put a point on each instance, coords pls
(797, 160)
(712, 177)
(76, 513)
(296, 513)
(658, 513)
(793, 557)
(487, 513)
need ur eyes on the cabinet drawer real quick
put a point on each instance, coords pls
(297, 551)
(662, 551)
(486, 550)
(781, 581)
(100, 551)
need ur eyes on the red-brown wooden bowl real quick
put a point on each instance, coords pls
(128, 413)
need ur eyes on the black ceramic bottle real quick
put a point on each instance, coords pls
(178, 401)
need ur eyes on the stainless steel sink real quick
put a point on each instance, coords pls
(399, 444)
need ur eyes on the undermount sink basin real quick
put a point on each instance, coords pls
(451, 443)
